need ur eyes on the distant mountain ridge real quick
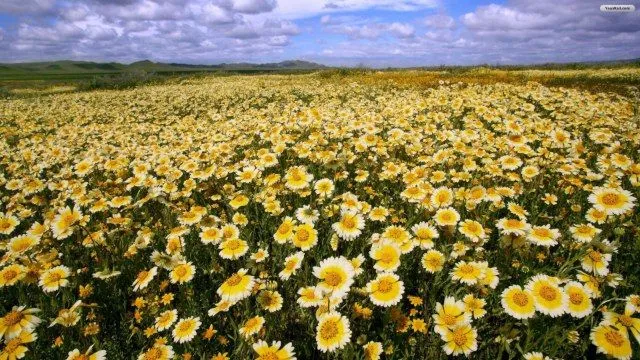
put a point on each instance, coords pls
(70, 66)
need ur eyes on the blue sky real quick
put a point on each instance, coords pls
(376, 33)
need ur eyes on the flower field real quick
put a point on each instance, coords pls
(317, 217)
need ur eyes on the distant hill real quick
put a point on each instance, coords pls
(80, 67)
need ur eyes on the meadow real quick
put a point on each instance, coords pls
(484, 213)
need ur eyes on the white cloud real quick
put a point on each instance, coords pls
(25, 6)
(440, 21)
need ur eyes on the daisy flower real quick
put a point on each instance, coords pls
(612, 201)
(433, 261)
(305, 237)
(611, 341)
(144, 278)
(186, 329)
(579, 304)
(424, 234)
(336, 275)
(182, 273)
(332, 332)
(518, 302)
(54, 278)
(158, 352)
(233, 249)
(292, 263)
(275, 351)
(236, 287)
(460, 339)
(251, 326)
(349, 226)
(543, 235)
(18, 320)
(88, 355)
(549, 298)
(166, 319)
(387, 256)
(386, 289)
(450, 314)
(447, 217)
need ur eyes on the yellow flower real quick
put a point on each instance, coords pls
(10, 275)
(549, 298)
(62, 226)
(144, 278)
(467, 272)
(251, 326)
(291, 264)
(372, 350)
(285, 231)
(332, 332)
(18, 320)
(233, 248)
(543, 235)
(460, 339)
(611, 340)
(275, 351)
(166, 319)
(387, 256)
(613, 201)
(386, 289)
(14, 348)
(54, 278)
(518, 303)
(474, 305)
(433, 261)
(8, 223)
(158, 352)
(336, 274)
(236, 287)
(21, 244)
(182, 273)
(450, 314)
(186, 329)
(349, 226)
(297, 178)
(88, 355)
(210, 235)
(447, 217)
(305, 237)
(579, 302)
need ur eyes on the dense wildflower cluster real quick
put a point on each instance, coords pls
(276, 217)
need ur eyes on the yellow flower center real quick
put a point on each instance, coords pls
(611, 199)
(449, 319)
(614, 338)
(595, 256)
(181, 271)
(386, 257)
(12, 318)
(329, 330)
(576, 298)
(542, 232)
(332, 278)
(11, 346)
(284, 228)
(233, 245)
(348, 222)
(466, 269)
(625, 320)
(385, 286)
(459, 337)
(234, 280)
(9, 275)
(269, 355)
(153, 354)
(303, 235)
(513, 224)
(548, 293)
(520, 299)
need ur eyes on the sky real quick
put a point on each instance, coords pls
(376, 33)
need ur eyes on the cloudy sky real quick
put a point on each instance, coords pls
(334, 32)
